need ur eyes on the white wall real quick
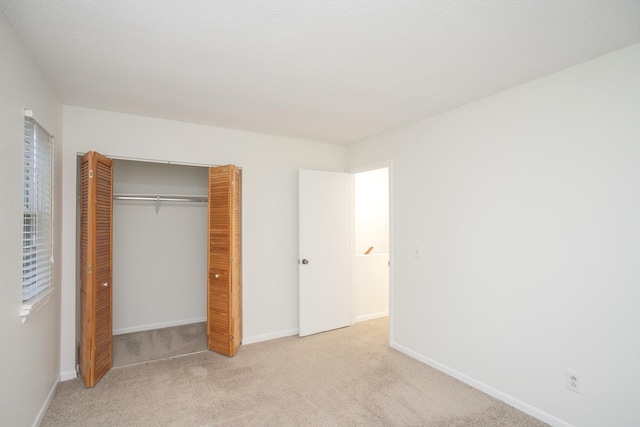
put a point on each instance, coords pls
(526, 204)
(29, 361)
(269, 172)
(159, 259)
(371, 200)
(370, 286)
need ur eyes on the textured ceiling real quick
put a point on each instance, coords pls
(326, 70)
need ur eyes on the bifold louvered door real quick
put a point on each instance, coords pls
(96, 270)
(224, 252)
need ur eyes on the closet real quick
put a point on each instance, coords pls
(159, 245)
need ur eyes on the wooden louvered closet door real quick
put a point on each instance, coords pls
(224, 252)
(96, 269)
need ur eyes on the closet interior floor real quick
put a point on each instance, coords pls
(137, 347)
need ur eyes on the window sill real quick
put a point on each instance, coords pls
(29, 309)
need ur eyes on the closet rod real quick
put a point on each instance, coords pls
(165, 198)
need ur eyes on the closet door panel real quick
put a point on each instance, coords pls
(224, 315)
(103, 265)
(96, 269)
(236, 255)
(86, 300)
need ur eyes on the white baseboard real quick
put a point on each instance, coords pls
(509, 400)
(161, 325)
(46, 403)
(271, 336)
(291, 332)
(372, 316)
(69, 375)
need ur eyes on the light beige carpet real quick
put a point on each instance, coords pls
(144, 346)
(347, 377)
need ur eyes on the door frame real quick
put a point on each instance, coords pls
(366, 168)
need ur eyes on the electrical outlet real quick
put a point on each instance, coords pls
(574, 381)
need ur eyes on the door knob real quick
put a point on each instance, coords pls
(105, 284)
(305, 261)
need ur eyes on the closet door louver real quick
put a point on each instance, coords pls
(224, 252)
(96, 270)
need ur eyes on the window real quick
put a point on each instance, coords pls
(37, 229)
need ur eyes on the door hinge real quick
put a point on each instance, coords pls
(231, 337)
(90, 173)
(90, 268)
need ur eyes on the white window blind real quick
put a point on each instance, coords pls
(37, 234)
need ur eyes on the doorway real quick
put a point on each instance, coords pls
(159, 249)
(371, 244)
(157, 260)
(344, 275)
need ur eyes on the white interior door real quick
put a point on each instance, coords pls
(324, 220)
